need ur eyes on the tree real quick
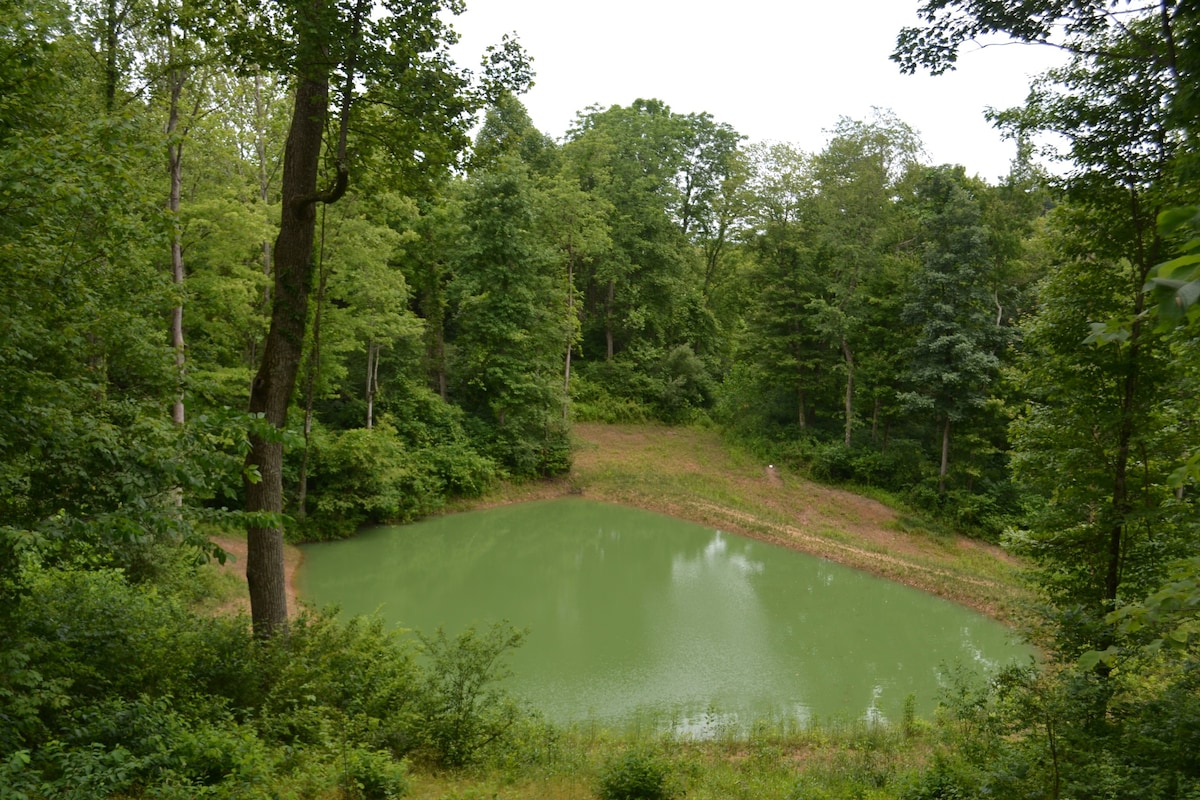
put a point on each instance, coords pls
(1091, 441)
(510, 322)
(87, 460)
(319, 30)
(574, 225)
(393, 51)
(859, 174)
(955, 354)
(1156, 30)
(508, 131)
(783, 278)
(631, 156)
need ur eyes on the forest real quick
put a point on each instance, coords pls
(283, 266)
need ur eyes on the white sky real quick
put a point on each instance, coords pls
(775, 70)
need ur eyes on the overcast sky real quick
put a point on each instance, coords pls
(775, 70)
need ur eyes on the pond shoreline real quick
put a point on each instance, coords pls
(691, 474)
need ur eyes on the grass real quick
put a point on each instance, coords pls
(856, 760)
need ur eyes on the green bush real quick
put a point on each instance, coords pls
(462, 708)
(354, 681)
(529, 447)
(366, 476)
(831, 461)
(946, 779)
(636, 775)
(686, 385)
(362, 475)
(462, 471)
(105, 638)
(373, 775)
(592, 403)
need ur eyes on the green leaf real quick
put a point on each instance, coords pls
(1174, 218)
(1187, 265)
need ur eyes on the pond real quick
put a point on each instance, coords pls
(632, 613)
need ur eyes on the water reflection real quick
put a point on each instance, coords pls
(632, 611)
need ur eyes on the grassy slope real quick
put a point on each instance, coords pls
(692, 474)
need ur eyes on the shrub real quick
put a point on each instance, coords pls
(831, 461)
(373, 775)
(948, 778)
(462, 470)
(529, 446)
(355, 679)
(105, 637)
(636, 775)
(370, 476)
(462, 708)
(686, 385)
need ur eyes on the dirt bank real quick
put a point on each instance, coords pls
(235, 564)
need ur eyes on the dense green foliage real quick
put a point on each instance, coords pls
(636, 776)
(1014, 360)
(114, 688)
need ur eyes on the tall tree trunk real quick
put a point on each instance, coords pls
(945, 456)
(848, 356)
(1121, 505)
(608, 320)
(802, 415)
(264, 182)
(311, 373)
(570, 334)
(441, 363)
(272, 388)
(113, 20)
(1148, 253)
(373, 348)
(176, 78)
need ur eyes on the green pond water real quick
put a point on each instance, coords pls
(634, 614)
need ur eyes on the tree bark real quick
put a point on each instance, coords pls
(264, 182)
(570, 334)
(272, 388)
(310, 381)
(608, 321)
(848, 355)
(176, 78)
(945, 457)
(373, 349)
